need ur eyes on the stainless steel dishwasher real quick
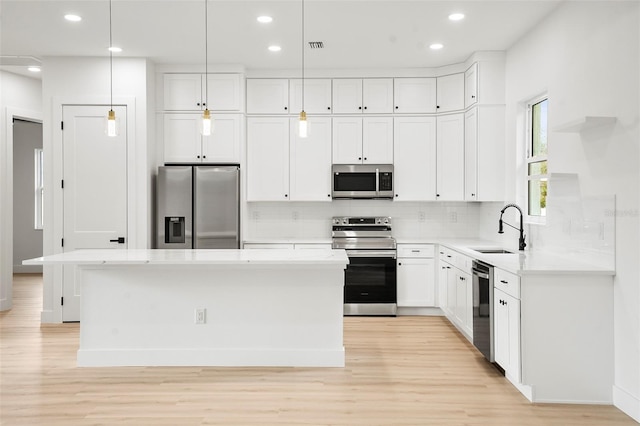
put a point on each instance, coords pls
(482, 285)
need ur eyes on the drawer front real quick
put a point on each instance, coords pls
(446, 255)
(507, 282)
(416, 250)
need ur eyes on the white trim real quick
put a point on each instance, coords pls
(528, 159)
(6, 209)
(627, 403)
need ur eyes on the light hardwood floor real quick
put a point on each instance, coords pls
(399, 371)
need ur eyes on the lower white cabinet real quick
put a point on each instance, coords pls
(297, 246)
(416, 276)
(455, 282)
(506, 329)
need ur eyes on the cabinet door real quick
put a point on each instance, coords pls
(416, 282)
(224, 92)
(414, 158)
(471, 85)
(452, 290)
(310, 161)
(223, 146)
(471, 155)
(506, 325)
(377, 95)
(443, 274)
(182, 138)
(347, 140)
(490, 139)
(347, 96)
(450, 151)
(377, 140)
(317, 96)
(450, 93)
(415, 95)
(267, 96)
(182, 92)
(267, 159)
(464, 306)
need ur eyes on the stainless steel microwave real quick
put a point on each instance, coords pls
(362, 181)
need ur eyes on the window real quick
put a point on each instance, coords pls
(39, 188)
(537, 174)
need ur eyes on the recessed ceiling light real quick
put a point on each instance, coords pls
(115, 49)
(436, 46)
(265, 19)
(275, 48)
(72, 18)
(456, 16)
(34, 69)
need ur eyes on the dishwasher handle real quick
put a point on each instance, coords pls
(480, 274)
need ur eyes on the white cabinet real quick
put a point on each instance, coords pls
(450, 157)
(188, 92)
(455, 281)
(317, 96)
(414, 158)
(268, 96)
(281, 166)
(362, 140)
(450, 93)
(506, 311)
(296, 246)
(416, 275)
(310, 161)
(464, 302)
(471, 85)
(484, 138)
(267, 158)
(183, 142)
(415, 95)
(363, 96)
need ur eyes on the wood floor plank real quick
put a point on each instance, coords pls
(399, 371)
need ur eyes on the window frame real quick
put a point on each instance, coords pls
(531, 159)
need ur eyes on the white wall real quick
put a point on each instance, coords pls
(86, 81)
(20, 97)
(585, 55)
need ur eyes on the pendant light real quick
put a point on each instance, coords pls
(303, 125)
(112, 125)
(207, 123)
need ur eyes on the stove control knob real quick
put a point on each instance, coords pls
(344, 221)
(386, 220)
(378, 220)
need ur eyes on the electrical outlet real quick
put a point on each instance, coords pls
(295, 215)
(453, 217)
(255, 215)
(422, 216)
(201, 316)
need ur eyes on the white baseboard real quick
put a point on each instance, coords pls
(419, 311)
(47, 317)
(627, 403)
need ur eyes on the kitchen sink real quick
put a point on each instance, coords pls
(493, 251)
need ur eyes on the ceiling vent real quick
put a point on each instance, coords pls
(316, 45)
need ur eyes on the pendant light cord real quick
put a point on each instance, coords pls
(303, 55)
(110, 59)
(206, 55)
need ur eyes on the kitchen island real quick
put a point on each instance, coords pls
(209, 307)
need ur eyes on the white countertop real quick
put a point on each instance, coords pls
(283, 257)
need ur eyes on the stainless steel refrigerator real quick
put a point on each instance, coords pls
(198, 207)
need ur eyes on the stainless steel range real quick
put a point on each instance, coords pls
(370, 277)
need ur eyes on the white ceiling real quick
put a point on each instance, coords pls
(356, 33)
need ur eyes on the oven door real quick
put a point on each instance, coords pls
(370, 277)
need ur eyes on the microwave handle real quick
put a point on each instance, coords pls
(377, 181)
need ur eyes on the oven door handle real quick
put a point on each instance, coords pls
(371, 253)
(377, 181)
(480, 274)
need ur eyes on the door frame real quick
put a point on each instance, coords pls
(6, 209)
(54, 220)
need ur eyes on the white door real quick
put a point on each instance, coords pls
(415, 95)
(377, 95)
(450, 92)
(223, 146)
(347, 140)
(317, 95)
(471, 155)
(450, 152)
(268, 159)
(347, 96)
(182, 92)
(268, 96)
(95, 190)
(310, 161)
(182, 138)
(377, 140)
(414, 158)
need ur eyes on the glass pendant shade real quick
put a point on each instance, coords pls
(303, 129)
(112, 124)
(207, 123)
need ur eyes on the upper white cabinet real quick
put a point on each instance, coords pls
(317, 96)
(450, 93)
(268, 158)
(183, 142)
(484, 138)
(415, 95)
(268, 96)
(471, 85)
(188, 92)
(362, 140)
(450, 157)
(363, 96)
(414, 158)
(310, 161)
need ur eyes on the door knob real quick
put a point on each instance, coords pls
(119, 240)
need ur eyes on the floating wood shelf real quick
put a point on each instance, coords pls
(585, 123)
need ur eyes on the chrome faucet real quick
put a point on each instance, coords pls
(521, 243)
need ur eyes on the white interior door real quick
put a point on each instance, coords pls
(94, 189)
